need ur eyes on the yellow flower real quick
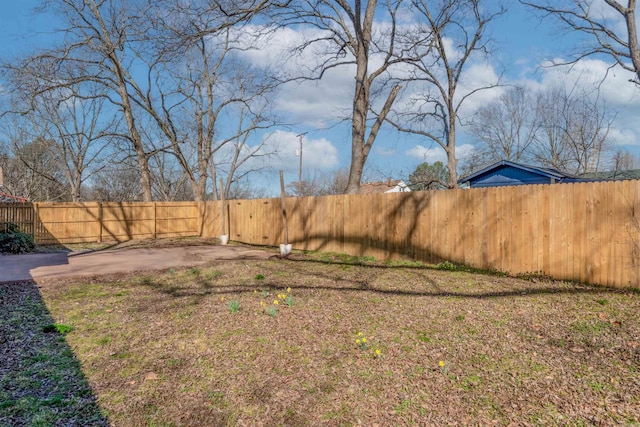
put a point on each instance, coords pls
(221, 298)
(364, 340)
(358, 341)
(378, 352)
(262, 303)
(275, 302)
(441, 364)
(359, 334)
(282, 296)
(255, 292)
(288, 289)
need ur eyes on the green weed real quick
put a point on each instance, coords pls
(210, 275)
(234, 306)
(422, 336)
(57, 327)
(289, 300)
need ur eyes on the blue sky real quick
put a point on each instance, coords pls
(521, 44)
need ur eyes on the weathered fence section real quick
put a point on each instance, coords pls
(20, 214)
(584, 231)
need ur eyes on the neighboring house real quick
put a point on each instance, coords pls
(388, 186)
(510, 173)
(5, 197)
(614, 175)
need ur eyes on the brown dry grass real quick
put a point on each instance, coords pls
(165, 349)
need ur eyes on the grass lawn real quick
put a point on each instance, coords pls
(442, 348)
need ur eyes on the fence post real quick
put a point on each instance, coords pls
(284, 209)
(222, 219)
(100, 218)
(34, 212)
(155, 220)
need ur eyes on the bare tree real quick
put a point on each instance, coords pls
(608, 37)
(320, 184)
(132, 49)
(30, 170)
(194, 89)
(588, 134)
(235, 158)
(623, 160)
(79, 129)
(439, 49)
(95, 48)
(571, 131)
(323, 183)
(556, 127)
(506, 127)
(551, 146)
(354, 33)
(120, 183)
(169, 181)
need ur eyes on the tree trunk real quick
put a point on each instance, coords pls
(355, 172)
(359, 149)
(452, 162)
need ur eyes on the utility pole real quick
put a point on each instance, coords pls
(300, 168)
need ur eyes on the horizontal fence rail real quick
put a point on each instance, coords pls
(589, 232)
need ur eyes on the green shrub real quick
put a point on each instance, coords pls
(13, 240)
(447, 266)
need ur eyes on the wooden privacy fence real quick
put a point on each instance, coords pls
(20, 214)
(584, 231)
(97, 222)
(588, 232)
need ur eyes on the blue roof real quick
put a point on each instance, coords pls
(545, 172)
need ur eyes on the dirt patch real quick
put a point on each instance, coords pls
(318, 343)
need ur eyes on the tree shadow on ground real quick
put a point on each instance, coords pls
(41, 381)
(327, 280)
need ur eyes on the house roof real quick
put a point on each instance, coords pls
(380, 186)
(546, 172)
(614, 175)
(5, 197)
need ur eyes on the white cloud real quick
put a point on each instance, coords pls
(316, 153)
(478, 75)
(428, 155)
(437, 154)
(314, 103)
(593, 76)
(464, 151)
(625, 137)
(611, 17)
(385, 151)
(610, 86)
(317, 103)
